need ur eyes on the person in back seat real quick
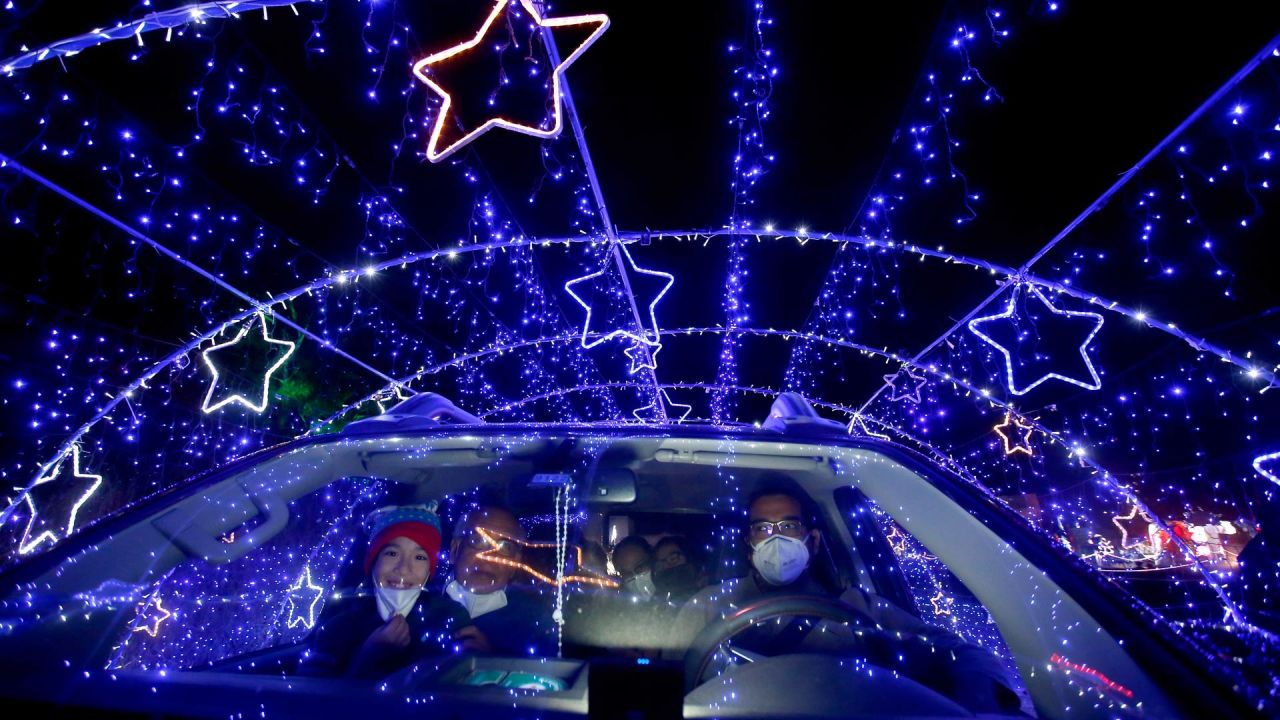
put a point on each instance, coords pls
(678, 569)
(633, 559)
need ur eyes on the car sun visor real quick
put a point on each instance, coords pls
(763, 461)
(202, 526)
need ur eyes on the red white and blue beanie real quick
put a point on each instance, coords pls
(419, 523)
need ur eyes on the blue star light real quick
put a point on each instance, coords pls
(905, 385)
(643, 336)
(1017, 330)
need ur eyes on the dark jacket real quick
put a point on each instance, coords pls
(522, 628)
(334, 645)
(939, 659)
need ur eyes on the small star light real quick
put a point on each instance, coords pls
(1124, 532)
(209, 404)
(152, 625)
(390, 397)
(88, 484)
(423, 70)
(1021, 444)
(1263, 460)
(905, 385)
(653, 319)
(1083, 324)
(858, 425)
(304, 596)
(942, 603)
(642, 413)
(643, 355)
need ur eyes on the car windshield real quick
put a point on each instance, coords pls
(762, 577)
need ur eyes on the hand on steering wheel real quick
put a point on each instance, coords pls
(703, 647)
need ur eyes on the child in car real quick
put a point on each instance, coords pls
(398, 622)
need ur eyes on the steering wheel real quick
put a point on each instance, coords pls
(703, 647)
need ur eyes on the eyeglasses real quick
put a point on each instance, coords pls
(765, 528)
(498, 545)
(626, 574)
(671, 559)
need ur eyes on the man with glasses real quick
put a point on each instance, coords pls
(678, 570)
(486, 551)
(782, 540)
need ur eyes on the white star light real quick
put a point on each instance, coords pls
(210, 406)
(28, 543)
(859, 424)
(640, 414)
(653, 319)
(304, 594)
(643, 355)
(1259, 461)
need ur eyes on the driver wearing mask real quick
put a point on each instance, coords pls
(782, 541)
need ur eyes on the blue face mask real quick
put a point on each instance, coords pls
(780, 559)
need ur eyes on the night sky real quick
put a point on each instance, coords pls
(1079, 93)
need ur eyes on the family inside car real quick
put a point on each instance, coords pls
(659, 587)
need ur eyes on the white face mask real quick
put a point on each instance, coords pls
(395, 601)
(780, 559)
(477, 604)
(641, 585)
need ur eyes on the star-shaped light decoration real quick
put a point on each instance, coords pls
(45, 523)
(153, 619)
(391, 397)
(495, 539)
(1082, 325)
(905, 385)
(1134, 512)
(424, 70)
(942, 603)
(644, 412)
(1022, 442)
(1265, 465)
(643, 356)
(642, 335)
(304, 596)
(209, 404)
(858, 425)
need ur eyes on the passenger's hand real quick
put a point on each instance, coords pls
(473, 640)
(395, 633)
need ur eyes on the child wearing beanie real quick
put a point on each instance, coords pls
(399, 623)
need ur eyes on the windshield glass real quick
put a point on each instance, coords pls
(761, 572)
